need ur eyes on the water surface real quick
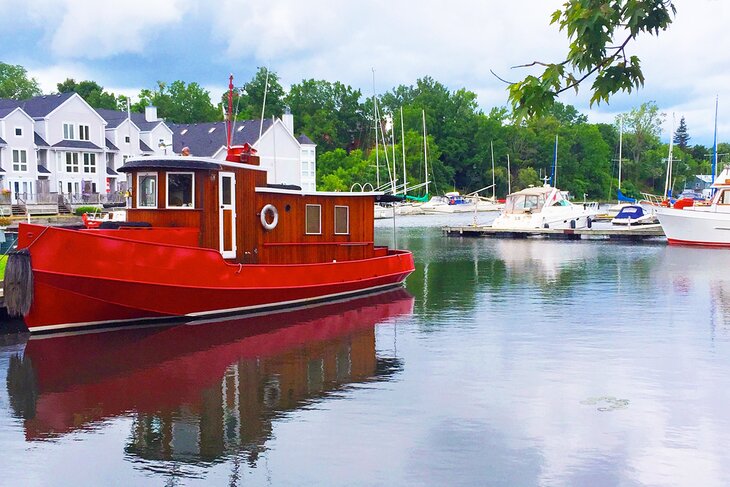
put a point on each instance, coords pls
(506, 362)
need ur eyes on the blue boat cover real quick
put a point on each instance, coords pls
(633, 211)
(622, 197)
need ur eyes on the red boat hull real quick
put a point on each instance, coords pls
(133, 279)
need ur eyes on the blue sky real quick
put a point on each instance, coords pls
(126, 46)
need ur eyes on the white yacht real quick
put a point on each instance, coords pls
(544, 207)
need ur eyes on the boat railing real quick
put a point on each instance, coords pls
(651, 199)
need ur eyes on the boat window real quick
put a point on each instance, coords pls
(314, 219)
(147, 190)
(180, 190)
(725, 198)
(342, 220)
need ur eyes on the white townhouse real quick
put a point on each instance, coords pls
(58, 150)
(288, 159)
(19, 169)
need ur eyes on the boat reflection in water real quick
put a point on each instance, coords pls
(200, 392)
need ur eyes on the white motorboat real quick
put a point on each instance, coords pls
(635, 215)
(544, 207)
(454, 202)
(700, 224)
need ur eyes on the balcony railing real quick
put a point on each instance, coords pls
(35, 198)
(116, 198)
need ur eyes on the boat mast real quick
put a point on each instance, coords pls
(714, 145)
(403, 147)
(375, 118)
(263, 106)
(392, 144)
(229, 115)
(509, 177)
(554, 177)
(425, 148)
(494, 189)
(620, 148)
(669, 161)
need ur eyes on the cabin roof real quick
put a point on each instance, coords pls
(534, 191)
(183, 163)
(268, 189)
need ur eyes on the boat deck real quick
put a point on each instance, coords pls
(635, 232)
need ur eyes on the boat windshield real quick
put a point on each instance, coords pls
(520, 203)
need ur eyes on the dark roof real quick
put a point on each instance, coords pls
(170, 163)
(5, 110)
(40, 106)
(144, 147)
(304, 140)
(141, 122)
(2, 142)
(39, 141)
(111, 172)
(77, 144)
(205, 139)
(111, 146)
(113, 117)
(2, 170)
(43, 170)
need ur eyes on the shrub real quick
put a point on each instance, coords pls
(86, 209)
(4, 221)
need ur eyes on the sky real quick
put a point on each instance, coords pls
(130, 45)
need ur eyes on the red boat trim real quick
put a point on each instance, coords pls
(281, 305)
(674, 241)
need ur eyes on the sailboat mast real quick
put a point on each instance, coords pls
(714, 145)
(392, 143)
(509, 177)
(620, 148)
(375, 119)
(494, 189)
(554, 178)
(425, 148)
(669, 161)
(403, 147)
(263, 105)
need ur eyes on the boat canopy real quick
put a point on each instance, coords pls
(534, 199)
(630, 212)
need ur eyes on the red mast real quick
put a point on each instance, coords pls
(229, 118)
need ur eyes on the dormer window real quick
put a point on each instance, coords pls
(184, 131)
(239, 128)
(18, 131)
(68, 131)
(83, 132)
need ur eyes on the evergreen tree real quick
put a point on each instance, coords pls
(681, 137)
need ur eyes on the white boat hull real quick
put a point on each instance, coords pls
(558, 218)
(695, 226)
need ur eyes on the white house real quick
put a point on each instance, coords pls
(18, 156)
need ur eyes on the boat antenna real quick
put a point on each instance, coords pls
(229, 118)
(714, 144)
(375, 117)
(263, 105)
(491, 148)
(425, 148)
(403, 147)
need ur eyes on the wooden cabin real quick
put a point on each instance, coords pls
(228, 206)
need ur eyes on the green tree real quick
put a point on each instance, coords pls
(15, 83)
(179, 103)
(93, 93)
(600, 33)
(681, 137)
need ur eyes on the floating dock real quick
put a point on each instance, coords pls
(633, 233)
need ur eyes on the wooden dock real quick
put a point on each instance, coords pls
(632, 233)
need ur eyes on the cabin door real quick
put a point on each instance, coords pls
(227, 214)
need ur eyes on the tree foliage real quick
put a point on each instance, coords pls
(15, 82)
(681, 136)
(179, 102)
(600, 33)
(93, 93)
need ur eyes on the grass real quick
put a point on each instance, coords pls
(3, 261)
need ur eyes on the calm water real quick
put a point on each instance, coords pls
(512, 363)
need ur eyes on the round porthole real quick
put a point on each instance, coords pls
(287, 208)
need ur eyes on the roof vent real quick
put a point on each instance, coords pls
(210, 130)
(184, 131)
(239, 128)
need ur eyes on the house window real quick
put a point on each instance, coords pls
(147, 190)
(314, 219)
(83, 132)
(342, 220)
(72, 162)
(20, 160)
(126, 139)
(89, 163)
(180, 190)
(19, 131)
(68, 131)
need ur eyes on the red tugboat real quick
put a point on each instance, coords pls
(202, 237)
